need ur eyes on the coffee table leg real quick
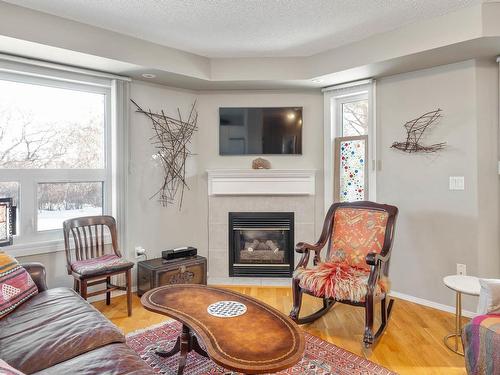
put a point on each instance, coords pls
(184, 344)
(186, 341)
(176, 349)
(197, 348)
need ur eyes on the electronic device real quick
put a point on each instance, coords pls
(260, 131)
(180, 252)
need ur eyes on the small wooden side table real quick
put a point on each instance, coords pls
(156, 272)
(460, 284)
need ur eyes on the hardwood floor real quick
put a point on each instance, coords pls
(412, 344)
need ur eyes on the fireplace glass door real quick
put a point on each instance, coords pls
(261, 244)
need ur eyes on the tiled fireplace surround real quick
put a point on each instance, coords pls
(275, 193)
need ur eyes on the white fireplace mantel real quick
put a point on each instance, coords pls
(261, 182)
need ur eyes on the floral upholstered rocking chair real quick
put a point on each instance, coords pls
(355, 269)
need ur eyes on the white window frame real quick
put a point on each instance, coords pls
(113, 174)
(334, 97)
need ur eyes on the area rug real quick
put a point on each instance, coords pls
(320, 357)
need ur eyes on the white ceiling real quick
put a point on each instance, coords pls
(248, 28)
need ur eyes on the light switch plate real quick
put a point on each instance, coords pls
(457, 183)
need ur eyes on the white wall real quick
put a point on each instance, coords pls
(312, 143)
(487, 100)
(311, 158)
(157, 228)
(151, 225)
(438, 228)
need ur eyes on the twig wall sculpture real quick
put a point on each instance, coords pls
(415, 130)
(172, 138)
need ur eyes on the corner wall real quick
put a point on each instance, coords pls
(158, 228)
(208, 154)
(487, 101)
(312, 137)
(438, 228)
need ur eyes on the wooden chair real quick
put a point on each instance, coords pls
(356, 266)
(93, 263)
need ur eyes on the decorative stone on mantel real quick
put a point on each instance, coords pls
(261, 182)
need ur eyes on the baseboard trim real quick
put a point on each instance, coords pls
(434, 305)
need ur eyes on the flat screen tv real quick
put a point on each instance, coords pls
(260, 131)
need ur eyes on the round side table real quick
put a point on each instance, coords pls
(460, 284)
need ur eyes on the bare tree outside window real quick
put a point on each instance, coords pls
(60, 201)
(355, 118)
(45, 127)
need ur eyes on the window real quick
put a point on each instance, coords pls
(354, 116)
(351, 148)
(60, 201)
(349, 143)
(54, 152)
(50, 127)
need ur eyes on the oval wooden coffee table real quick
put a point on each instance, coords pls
(260, 340)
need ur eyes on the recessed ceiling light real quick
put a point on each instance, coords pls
(317, 80)
(149, 75)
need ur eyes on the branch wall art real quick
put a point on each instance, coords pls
(172, 138)
(415, 130)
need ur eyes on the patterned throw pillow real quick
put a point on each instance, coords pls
(357, 232)
(16, 285)
(5, 369)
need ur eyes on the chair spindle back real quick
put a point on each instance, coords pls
(88, 234)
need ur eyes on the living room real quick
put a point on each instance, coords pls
(264, 141)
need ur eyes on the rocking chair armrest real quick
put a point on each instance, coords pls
(303, 247)
(373, 258)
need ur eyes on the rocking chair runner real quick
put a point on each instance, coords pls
(355, 270)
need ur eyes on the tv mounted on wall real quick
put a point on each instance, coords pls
(260, 131)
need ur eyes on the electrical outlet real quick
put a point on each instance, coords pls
(139, 251)
(461, 269)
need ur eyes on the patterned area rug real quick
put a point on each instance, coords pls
(320, 358)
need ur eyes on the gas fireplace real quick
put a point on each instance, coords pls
(261, 244)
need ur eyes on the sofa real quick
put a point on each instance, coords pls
(57, 332)
(481, 340)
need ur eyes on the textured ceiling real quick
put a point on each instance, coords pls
(248, 28)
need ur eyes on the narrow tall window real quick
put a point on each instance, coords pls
(351, 153)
